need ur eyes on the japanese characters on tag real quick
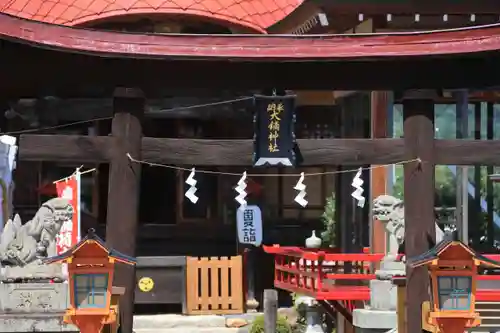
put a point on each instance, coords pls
(248, 228)
(249, 222)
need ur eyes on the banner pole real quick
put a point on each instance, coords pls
(78, 203)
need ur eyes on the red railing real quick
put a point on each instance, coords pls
(321, 274)
(332, 276)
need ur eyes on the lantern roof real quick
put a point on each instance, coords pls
(455, 248)
(92, 238)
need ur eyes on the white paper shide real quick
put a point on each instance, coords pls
(190, 193)
(241, 189)
(357, 183)
(301, 187)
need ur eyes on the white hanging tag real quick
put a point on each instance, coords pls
(240, 188)
(190, 193)
(357, 183)
(301, 187)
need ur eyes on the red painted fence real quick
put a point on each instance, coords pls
(329, 275)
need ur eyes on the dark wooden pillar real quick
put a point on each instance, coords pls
(475, 226)
(419, 200)
(380, 101)
(353, 226)
(490, 121)
(250, 255)
(462, 193)
(123, 193)
(347, 207)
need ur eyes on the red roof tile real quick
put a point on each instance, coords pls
(254, 14)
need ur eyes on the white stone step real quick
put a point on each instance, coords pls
(167, 321)
(192, 330)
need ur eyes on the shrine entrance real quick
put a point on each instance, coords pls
(128, 78)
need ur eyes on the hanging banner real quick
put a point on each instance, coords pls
(70, 230)
(249, 224)
(274, 130)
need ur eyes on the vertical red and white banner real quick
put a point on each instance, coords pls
(70, 230)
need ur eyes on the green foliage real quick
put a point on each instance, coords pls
(446, 127)
(282, 326)
(445, 186)
(300, 308)
(329, 234)
(398, 187)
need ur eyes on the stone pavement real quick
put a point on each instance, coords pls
(172, 323)
(175, 323)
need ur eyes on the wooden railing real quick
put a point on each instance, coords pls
(214, 285)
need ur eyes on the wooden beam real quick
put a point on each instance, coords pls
(239, 152)
(207, 152)
(98, 149)
(382, 7)
(419, 202)
(65, 148)
(467, 152)
(123, 193)
(101, 75)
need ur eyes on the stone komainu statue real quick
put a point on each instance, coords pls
(23, 245)
(391, 212)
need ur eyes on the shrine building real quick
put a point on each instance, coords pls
(145, 91)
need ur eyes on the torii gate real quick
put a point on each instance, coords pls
(399, 56)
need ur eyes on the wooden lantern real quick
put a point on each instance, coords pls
(91, 268)
(453, 270)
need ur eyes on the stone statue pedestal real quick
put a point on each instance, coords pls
(383, 293)
(34, 307)
(381, 315)
(28, 301)
(32, 272)
(374, 321)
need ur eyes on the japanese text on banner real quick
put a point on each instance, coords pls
(274, 110)
(69, 234)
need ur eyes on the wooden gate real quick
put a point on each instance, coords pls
(214, 285)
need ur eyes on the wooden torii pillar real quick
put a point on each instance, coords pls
(418, 114)
(419, 179)
(123, 191)
(379, 105)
